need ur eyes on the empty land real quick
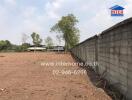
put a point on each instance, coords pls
(23, 77)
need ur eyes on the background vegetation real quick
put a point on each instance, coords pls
(66, 30)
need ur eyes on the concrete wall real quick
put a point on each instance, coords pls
(112, 49)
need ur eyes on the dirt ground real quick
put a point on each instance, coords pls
(23, 76)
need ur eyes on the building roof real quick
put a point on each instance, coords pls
(117, 7)
(36, 48)
(57, 46)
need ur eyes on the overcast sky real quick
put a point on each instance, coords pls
(27, 16)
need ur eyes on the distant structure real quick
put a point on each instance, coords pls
(44, 48)
(56, 48)
(34, 48)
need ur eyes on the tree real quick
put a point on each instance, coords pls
(70, 33)
(24, 46)
(59, 38)
(49, 42)
(5, 45)
(2, 44)
(24, 38)
(36, 39)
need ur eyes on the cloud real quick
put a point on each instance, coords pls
(128, 8)
(21, 17)
(102, 20)
(10, 2)
(52, 8)
(3, 20)
(29, 12)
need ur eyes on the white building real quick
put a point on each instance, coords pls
(36, 49)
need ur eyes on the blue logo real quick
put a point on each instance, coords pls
(117, 10)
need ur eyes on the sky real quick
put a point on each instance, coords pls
(27, 16)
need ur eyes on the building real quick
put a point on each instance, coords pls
(56, 48)
(44, 48)
(34, 48)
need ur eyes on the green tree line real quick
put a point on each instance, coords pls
(65, 27)
(7, 46)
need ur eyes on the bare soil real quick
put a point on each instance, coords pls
(23, 77)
